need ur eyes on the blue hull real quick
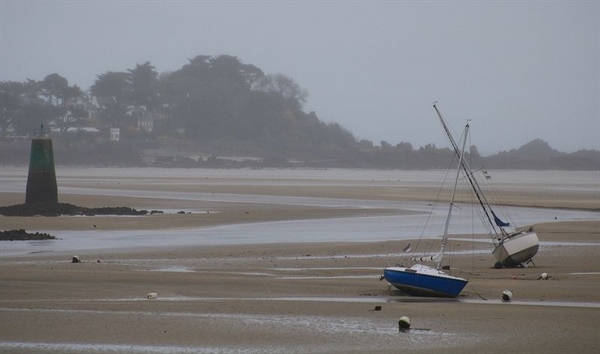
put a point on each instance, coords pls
(420, 284)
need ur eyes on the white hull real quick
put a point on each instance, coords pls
(517, 250)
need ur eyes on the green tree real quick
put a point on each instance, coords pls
(63, 104)
(111, 84)
(11, 104)
(26, 106)
(286, 87)
(143, 85)
(31, 117)
(111, 91)
(33, 110)
(206, 95)
(54, 88)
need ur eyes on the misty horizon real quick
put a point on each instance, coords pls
(519, 71)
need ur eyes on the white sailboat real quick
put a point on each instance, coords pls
(512, 247)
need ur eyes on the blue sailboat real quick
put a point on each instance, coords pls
(424, 280)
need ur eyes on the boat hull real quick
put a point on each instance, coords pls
(517, 250)
(421, 282)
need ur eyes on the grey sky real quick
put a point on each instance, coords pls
(519, 70)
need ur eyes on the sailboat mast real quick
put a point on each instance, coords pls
(470, 177)
(447, 226)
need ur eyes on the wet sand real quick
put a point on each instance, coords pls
(301, 298)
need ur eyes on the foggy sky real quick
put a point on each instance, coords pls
(519, 71)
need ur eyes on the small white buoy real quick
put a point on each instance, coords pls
(404, 323)
(75, 259)
(544, 276)
(507, 295)
(152, 296)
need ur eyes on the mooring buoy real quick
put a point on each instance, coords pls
(404, 323)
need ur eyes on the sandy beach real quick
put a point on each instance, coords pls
(289, 297)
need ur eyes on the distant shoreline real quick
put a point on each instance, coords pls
(536, 155)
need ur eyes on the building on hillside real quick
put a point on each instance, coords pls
(115, 134)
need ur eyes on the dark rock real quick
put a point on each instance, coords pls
(22, 235)
(56, 209)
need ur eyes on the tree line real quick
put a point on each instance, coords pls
(211, 105)
(210, 101)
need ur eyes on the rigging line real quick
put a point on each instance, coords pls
(478, 210)
(429, 214)
(434, 206)
(461, 156)
(467, 169)
(503, 207)
(472, 236)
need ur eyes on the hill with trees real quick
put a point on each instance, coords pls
(212, 112)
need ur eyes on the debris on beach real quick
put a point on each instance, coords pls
(75, 259)
(152, 296)
(507, 296)
(543, 276)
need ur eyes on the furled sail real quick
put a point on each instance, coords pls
(499, 222)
